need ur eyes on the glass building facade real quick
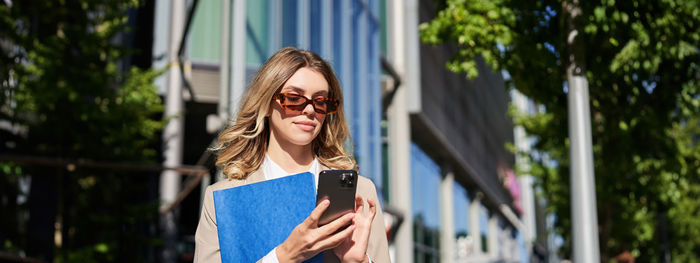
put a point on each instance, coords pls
(425, 200)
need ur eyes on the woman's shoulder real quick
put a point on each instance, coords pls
(225, 184)
(364, 184)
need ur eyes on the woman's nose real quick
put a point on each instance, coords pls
(309, 110)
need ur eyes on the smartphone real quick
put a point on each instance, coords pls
(339, 187)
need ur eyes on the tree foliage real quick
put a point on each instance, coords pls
(68, 92)
(641, 60)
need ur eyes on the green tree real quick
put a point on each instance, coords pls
(641, 60)
(68, 92)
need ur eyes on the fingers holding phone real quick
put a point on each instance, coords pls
(308, 239)
(354, 249)
(363, 219)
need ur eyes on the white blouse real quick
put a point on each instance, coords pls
(273, 171)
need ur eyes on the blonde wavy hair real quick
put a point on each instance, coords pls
(242, 146)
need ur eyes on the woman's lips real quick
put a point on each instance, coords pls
(305, 125)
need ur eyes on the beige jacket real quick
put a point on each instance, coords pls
(207, 240)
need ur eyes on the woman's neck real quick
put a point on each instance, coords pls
(291, 158)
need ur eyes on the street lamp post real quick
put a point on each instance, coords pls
(584, 216)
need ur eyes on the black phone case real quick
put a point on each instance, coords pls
(339, 186)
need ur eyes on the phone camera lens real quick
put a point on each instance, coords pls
(346, 180)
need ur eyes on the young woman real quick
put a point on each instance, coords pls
(292, 121)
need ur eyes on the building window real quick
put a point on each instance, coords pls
(315, 26)
(522, 247)
(257, 32)
(204, 40)
(463, 247)
(484, 227)
(289, 24)
(425, 186)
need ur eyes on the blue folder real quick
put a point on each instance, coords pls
(253, 219)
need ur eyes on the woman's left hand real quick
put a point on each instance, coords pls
(354, 249)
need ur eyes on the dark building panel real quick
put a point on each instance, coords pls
(463, 123)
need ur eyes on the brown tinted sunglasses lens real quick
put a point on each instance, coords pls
(325, 105)
(297, 103)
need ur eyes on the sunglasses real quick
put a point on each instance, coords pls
(296, 103)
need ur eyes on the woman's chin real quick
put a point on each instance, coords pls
(297, 138)
(302, 138)
(302, 141)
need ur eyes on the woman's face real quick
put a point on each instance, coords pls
(294, 127)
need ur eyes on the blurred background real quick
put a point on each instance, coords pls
(460, 112)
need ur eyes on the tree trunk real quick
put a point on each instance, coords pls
(42, 215)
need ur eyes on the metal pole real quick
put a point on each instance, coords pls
(237, 84)
(225, 62)
(399, 133)
(584, 216)
(173, 134)
(400, 175)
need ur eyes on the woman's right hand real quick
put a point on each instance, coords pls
(308, 239)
